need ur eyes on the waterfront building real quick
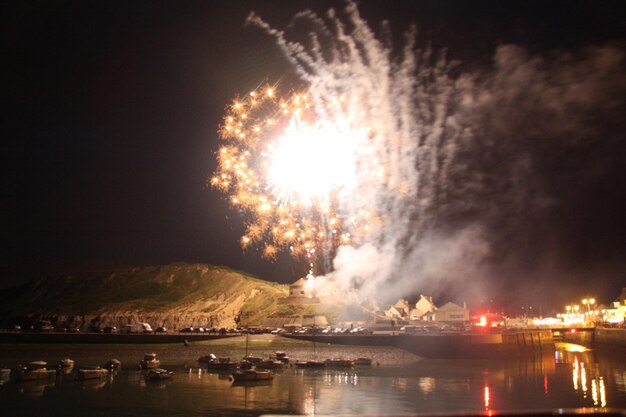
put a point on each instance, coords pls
(451, 312)
(400, 310)
(615, 313)
(424, 309)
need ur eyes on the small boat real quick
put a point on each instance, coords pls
(270, 364)
(362, 362)
(223, 364)
(66, 363)
(113, 364)
(34, 371)
(207, 358)
(281, 356)
(252, 375)
(159, 374)
(149, 361)
(37, 365)
(92, 372)
(338, 363)
(310, 364)
(252, 359)
(5, 375)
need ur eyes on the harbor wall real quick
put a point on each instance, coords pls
(607, 336)
(601, 336)
(451, 345)
(580, 338)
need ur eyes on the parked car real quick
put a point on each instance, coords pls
(161, 329)
(186, 330)
(60, 329)
(137, 328)
(73, 329)
(43, 326)
(110, 329)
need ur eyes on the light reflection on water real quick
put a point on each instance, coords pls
(563, 379)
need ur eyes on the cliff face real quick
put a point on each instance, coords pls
(175, 296)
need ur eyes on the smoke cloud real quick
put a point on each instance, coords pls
(503, 178)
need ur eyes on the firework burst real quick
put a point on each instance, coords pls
(354, 159)
(290, 164)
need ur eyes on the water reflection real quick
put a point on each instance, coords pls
(580, 379)
(35, 388)
(94, 384)
(426, 384)
(565, 379)
(487, 397)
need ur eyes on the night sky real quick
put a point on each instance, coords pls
(111, 111)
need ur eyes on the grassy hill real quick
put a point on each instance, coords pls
(178, 294)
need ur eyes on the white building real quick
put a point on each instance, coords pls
(424, 309)
(616, 313)
(451, 312)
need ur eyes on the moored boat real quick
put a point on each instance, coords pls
(222, 364)
(66, 363)
(207, 358)
(362, 362)
(33, 371)
(92, 372)
(281, 356)
(113, 364)
(338, 362)
(159, 374)
(270, 364)
(252, 375)
(5, 374)
(310, 364)
(149, 361)
(37, 365)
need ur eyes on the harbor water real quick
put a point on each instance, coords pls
(397, 383)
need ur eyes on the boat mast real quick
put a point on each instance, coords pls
(314, 354)
(247, 331)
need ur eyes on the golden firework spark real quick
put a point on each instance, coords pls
(288, 162)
